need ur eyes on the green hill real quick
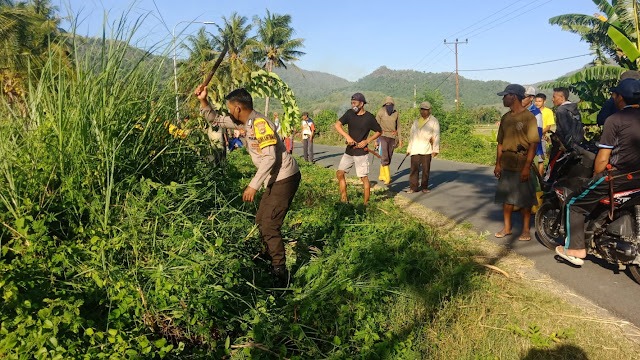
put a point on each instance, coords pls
(318, 91)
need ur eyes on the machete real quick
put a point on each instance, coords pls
(367, 150)
(216, 65)
(402, 162)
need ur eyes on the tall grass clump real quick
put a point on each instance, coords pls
(110, 223)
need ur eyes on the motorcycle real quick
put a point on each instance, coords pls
(612, 232)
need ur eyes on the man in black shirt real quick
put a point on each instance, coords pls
(360, 122)
(619, 147)
(569, 129)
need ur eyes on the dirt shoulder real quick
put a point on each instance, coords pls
(543, 308)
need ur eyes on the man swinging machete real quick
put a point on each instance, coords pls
(277, 170)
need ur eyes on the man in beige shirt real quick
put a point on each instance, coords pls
(424, 143)
(277, 170)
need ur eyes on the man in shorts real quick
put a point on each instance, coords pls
(518, 139)
(359, 122)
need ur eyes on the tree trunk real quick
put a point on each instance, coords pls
(266, 102)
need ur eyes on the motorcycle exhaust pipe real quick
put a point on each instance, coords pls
(637, 211)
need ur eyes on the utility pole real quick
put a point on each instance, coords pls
(466, 41)
(415, 94)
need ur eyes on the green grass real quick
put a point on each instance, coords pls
(120, 241)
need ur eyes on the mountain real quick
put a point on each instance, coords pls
(318, 91)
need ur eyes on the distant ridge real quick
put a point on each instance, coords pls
(319, 90)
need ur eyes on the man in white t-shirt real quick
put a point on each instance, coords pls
(308, 129)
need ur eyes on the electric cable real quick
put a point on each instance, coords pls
(523, 65)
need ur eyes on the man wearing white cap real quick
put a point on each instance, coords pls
(528, 103)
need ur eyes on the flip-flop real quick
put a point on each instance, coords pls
(524, 237)
(572, 259)
(500, 234)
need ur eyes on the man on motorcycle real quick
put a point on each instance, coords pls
(619, 147)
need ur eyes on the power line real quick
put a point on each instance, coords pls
(445, 79)
(435, 57)
(523, 65)
(476, 32)
(483, 19)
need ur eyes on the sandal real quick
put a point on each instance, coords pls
(562, 252)
(524, 237)
(500, 234)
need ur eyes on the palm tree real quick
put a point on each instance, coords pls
(275, 46)
(235, 34)
(202, 53)
(26, 32)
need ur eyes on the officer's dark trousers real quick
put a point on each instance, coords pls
(273, 208)
(584, 201)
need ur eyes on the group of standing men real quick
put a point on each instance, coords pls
(424, 143)
(521, 137)
(518, 143)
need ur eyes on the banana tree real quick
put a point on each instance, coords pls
(614, 37)
(592, 86)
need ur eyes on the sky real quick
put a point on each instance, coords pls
(351, 39)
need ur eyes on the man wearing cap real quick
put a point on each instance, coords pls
(424, 143)
(308, 129)
(609, 108)
(277, 171)
(360, 122)
(517, 139)
(569, 130)
(529, 96)
(619, 147)
(389, 121)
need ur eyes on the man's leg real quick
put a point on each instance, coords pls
(305, 151)
(578, 207)
(413, 173)
(426, 169)
(526, 219)
(392, 146)
(310, 150)
(507, 209)
(384, 146)
(367, 189)
(346, 163)
(273, 210)
(387, 151)
(343, 186)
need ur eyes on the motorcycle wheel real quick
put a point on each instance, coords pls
(547, 227)
(635, 272)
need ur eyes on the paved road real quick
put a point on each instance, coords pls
(464, 193)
